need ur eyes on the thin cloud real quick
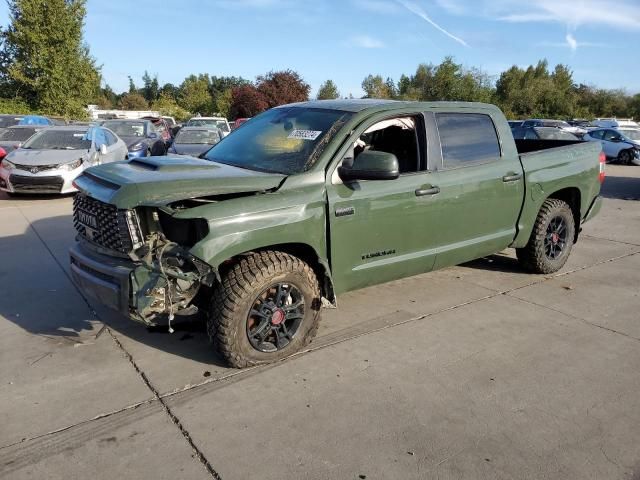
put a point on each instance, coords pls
(376, 6)
(612, 13)
(452, 6)
(572, 43)
(365, 41)
(418, 11)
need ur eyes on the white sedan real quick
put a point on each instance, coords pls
(53, 158)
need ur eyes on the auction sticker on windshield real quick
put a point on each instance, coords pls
(305, 134)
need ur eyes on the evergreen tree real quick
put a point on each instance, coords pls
(328, 91)
(43, 58)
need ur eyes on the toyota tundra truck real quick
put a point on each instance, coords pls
(310, 200)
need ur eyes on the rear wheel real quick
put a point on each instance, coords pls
(551, 240)
(267, 307)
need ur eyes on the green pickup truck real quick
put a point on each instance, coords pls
(310, 200)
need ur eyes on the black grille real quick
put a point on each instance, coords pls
(36, 168)
(102, 223)
(36, 184)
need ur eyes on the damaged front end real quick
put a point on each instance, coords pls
(168, 278)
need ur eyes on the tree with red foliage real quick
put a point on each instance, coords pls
(247, 101)
(283, 87)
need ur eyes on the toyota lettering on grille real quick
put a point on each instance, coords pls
(87, 219)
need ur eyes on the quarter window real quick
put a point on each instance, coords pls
(467, 139)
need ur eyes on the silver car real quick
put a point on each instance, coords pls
(51, 160)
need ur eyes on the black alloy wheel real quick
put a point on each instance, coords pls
(556, 238)
(275, 317)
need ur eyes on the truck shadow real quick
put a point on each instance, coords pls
(621, 188)
(39, 297)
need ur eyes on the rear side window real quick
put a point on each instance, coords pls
(467, 139)
(596, 134)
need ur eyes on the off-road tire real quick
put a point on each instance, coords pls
(532, 257)
(233, 299)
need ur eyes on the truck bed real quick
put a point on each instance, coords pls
(527, 146)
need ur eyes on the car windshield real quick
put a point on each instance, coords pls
(632, 134)
(208, 122)
(9, 121)
(16, 134)
(285, 140)
(202, 137)
(554, 134)
(125, 129)
(59, 140)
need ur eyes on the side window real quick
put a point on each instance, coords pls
(111, 139)
(467, 139)
(609, 135)
(530, 134)
(397, 136)
(596, 134)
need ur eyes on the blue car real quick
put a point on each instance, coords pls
(35, 120)
(141, 137)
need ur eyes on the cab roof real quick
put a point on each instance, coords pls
(360, 104)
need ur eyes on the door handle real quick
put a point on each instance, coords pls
(427, 191)
(512, 178)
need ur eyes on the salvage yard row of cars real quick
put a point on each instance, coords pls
(40, 155)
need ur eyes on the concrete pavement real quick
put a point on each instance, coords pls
(478, 371)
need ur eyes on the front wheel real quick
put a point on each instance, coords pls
(551, 240)
(267, 308)
(625, 157)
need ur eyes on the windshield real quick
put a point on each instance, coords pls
(281, 140)
(554, 134)
(208, 122)
(16, 134)
(632, 134)
(9, 121)
(201, 137)
(59, 140)
(125, 129)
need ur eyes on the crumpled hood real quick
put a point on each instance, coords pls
(24, 156)
(157, 181)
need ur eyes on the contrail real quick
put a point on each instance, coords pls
(416, 10)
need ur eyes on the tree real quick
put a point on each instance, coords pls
(375, 87)
(167, 105)
(220, 89)
(132, 85)
(328, 91)
(194, 94)
(224, 101)
(151, 88)
(133, 101)
(44, 60)
(247, 101)
(279, 88)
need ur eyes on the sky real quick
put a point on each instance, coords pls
(345, 40)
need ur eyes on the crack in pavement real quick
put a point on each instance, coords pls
(584, 235)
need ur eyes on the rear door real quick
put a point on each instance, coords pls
(481, 185)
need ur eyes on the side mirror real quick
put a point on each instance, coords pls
(17, 145)
(103, 149)
(3, 153)
(370, 165)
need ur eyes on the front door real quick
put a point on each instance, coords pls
(381, 230)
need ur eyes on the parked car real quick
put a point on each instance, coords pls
(140, 136)
(240, 121)
(219, 122)
(13, 137)
(543, 133)
(171, 122)
(515, 123)
(194, 140)
(162, 127)
(10, 120)
(622, 145)
(537, 122)
(51, 159)
(35, 120)
(615, 123)
(311, 200)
